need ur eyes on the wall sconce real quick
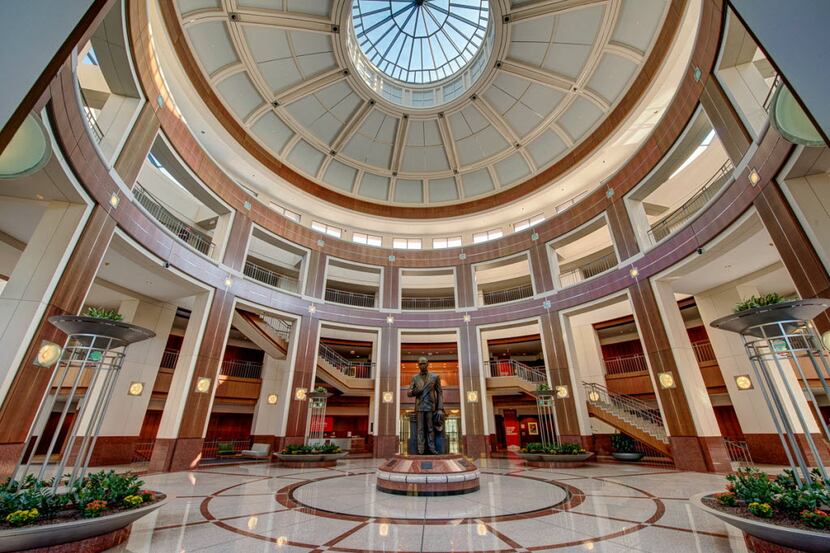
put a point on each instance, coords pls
(390, 319)
(312, 309)
(48, 354)
(114, 200)
(466, 317)
(743, 382)
(300, 394)
(593, 396)
(383, 529)
(561, 391)
(666, 380)
(228, 282)
(203, 385)
(388, 397)
(634, 271)
(271, 399)
(754, 177)
(472, 396)
(481, 529)
(135, 389)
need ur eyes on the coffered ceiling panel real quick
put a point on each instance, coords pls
(283, 69)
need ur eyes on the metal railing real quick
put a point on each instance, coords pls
(142, 452)
(508, 294)
(278, 326)
(419, 303)
(269, 277)
(588, 270)
(169, 359)
(216, 449)
(91, 119)
(241, 369)
(776, 83)
(703, 351)
(625, 364)
(509, 367)
(355, 369)
(637, 413)
(356, 299)
(738, 451)
(196, 239)
(677, 218)
(569, 203)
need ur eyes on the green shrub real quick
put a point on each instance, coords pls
(101, 313)
(565, 449)
(623, 443)
(758, 301)
(533, 447)
(727, 498)
(753, 486)
(543, 388)
(329, 449)
(762, 510)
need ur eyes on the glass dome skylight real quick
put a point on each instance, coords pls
(420, 41)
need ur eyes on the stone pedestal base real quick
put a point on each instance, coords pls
(428, 475)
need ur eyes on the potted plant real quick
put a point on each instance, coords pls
(532, 451)
(33, 515)
(758, 301)
(775, 509)
(565, 453)
(311, 453)
(624, 448)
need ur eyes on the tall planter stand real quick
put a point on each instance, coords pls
(547, 416)
(317, 417)
(776, 336)
(90, 359)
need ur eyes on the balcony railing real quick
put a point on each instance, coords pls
(681, 215)
(776, 83)
(142, 452)
(217, 449)
(588, 270)
(419, 303)
(625, 364)
(509, 367)
(703, 351)
(91, 119)
(198, 240)
(356, 299)
(355, 369)
(169, 359)
(241, 369)
(278, 326)
(738, 452)
(508, 294)
(269, 277)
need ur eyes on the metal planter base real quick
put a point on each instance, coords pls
(629, 457)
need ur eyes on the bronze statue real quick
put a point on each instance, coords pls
(429, 407)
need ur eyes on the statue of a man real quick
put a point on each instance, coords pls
(429, 406)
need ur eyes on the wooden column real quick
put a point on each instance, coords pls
(391, 294)
(30, 382)
(134, 153)
(315, 284)
(556, 361)
(799, 257)
(465, 285)
(540, 268)
(386, 435)
(475, 439)
(690, 451)
(727, 123)
(237, 247)
(307, 338)
(622, 231)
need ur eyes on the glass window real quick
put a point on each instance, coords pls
(487, 235)
(368, 239)
(406, 243)
(527, 223)
(449, 242)
(287, 213)
(326, 229)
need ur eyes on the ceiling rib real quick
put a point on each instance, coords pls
(400, 139)
(537, 75)
(550, 7)
(284, 20)
(352, 126)
(449, 143)
(496, 120)
(310, 86)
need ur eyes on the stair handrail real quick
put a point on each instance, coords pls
(357, 369)
(627, 404)
(525, 372)
(279, 326)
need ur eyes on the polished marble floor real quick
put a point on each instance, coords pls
(601, 508)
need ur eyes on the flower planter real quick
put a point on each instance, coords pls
(300, 457)
(309, 460)
(71, 531)
(811, 541)
(628, 456)
(562, 461)
(530, 456)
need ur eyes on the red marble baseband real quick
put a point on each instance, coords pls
(171, 455)
(700, 454)
(556, 464)
(113, 450)
(89, 545)
(757, 545)
(385, 446)
(475, 446)
(307, 464)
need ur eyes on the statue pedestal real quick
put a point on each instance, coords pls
(428, 475)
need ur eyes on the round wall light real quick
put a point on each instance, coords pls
(593, 396)
(825, 339)
(48, 354)
(472, 396)
(300, 394)
(388, 397)
(27, 152)
(135, 389)
(272, 399)
(562, 391)
(666, 380)
(743, 382)
(203, 385)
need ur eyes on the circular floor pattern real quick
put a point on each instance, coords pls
(499, 496)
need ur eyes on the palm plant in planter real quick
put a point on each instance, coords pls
(625, 448)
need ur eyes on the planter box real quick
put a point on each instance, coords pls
(530, 456)
(570, 458)
(300, 458)
(810, 541)
(47, 535)
(629, 456)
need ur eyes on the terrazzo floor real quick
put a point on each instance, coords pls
(603, 508)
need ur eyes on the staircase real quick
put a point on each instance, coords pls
(272, 335)
(507, 374)
(628, 415)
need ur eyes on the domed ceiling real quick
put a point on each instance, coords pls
(425, 102)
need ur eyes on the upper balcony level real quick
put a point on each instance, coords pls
(427, 289)
(583, 254)
(503, 280)
(353, 284)
(274, 261)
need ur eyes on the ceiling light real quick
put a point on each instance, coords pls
(135, 389)
(114, 200)
(383, 529)
(743, 382)
(593, 396)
